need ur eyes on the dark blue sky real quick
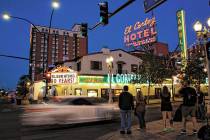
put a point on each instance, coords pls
(14, 34)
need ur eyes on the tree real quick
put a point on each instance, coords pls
(153, 69)
(23, 85)
(194, 70)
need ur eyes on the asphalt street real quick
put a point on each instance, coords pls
(12, 129)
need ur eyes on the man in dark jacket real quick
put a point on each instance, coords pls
(189, 105)
(126, 105)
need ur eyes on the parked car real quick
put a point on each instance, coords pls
(69, 111)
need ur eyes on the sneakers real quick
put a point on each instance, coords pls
(129, 132)
(122, 132)
(138, 128)
(165, 130)
(183, 131)
(195, 131)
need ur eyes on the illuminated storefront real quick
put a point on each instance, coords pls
(67, 82)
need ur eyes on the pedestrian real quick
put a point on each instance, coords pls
(126, 106)
(30, 98)
(188, 106)
(166, 109)
(140, 110)
(201, 103)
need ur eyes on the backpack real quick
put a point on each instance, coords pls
(178, 114)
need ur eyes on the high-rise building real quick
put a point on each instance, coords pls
(63, 45)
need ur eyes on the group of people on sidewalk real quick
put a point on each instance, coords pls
(192, 105)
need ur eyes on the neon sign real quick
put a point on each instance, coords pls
(117, 79)
(63, 78)
(63, 75)
(141, 33)
(182, 36)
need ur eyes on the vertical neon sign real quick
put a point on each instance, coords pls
(182, 36)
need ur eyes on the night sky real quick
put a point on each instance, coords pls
(14, 34)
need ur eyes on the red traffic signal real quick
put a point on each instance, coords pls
(48, 75)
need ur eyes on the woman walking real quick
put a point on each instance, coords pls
(140, 109)
(166, 109)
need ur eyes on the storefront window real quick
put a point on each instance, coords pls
(78, 91)
(157, 92)
(92, 93)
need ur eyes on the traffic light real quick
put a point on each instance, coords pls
(104, 14)
(84, 29)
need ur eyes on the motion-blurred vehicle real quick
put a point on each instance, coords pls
(69, 111)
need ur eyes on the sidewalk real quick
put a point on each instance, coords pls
(158, 101)
(154, 132)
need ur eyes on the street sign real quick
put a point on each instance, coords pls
(151, 4)
(208, 50)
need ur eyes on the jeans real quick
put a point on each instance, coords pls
(141, 119)
(201, 111)
(125, 116)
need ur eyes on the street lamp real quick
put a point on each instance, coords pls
(208, 22)
(55, 5)
(109, 62)
(202, 33)
(197, 26)
(6, 16)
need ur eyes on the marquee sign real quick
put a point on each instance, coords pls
(63, 75)
(141, 33)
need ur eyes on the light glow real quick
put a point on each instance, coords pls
(55, 4)
(6, 16)
(197, 26)
(208, 22)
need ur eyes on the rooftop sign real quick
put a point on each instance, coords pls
(141, 33)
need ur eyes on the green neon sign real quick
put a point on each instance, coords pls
(117, 79)
(182, 35)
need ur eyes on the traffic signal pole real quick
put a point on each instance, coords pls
(121, 7)
(113, 13)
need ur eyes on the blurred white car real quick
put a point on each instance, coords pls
(70, 111)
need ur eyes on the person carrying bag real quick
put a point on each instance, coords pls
(140, 110)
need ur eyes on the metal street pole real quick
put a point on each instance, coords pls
(208, 65)
(48, 46)
(202, 33)
(110, 84)
(109, 62)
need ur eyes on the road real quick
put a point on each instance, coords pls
(11, 128)
(85, 131)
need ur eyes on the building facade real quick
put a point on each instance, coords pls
(95, 63)
(63, 45)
